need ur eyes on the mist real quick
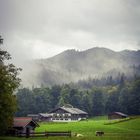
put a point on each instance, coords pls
(42, 29)
(72, 66)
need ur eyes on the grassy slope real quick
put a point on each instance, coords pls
(128, 130)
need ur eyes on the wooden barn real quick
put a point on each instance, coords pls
(68, 114)
(117, 115)
(24, 124)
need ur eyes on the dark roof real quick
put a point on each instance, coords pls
(32, 115)
(119, 113)
(71, 110)
(23, 121)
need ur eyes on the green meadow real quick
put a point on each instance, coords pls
(128, 129)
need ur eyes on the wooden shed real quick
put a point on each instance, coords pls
(24, 124)
(117, 115)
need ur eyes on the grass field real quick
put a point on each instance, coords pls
(124, 130)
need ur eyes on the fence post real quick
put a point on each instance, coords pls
(27, 132)
(70, 133)
(46, 134)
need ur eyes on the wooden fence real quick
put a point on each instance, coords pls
(45, 134)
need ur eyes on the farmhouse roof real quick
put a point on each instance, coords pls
(119, 113)
(23, 121)
(74, 110)
(71, 110)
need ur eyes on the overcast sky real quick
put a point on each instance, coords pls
(43, 28)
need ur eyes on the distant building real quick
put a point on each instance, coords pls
(117, 115)
(40, 117)
(45, 117)
(23, 124)
(68, 114)
(35, 117)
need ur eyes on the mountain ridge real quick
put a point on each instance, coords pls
(72, 65)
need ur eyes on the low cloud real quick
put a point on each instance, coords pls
(39, 29)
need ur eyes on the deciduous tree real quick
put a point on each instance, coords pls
(8, 83)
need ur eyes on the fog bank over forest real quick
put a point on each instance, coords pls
(72, 66)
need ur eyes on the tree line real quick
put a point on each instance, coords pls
(122, 96)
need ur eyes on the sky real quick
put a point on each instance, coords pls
(35, 29)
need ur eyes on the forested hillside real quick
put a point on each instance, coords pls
(72, 66)
(97, 98)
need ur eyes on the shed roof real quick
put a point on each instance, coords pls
(23, 121)
(119, 113)
(32, 115)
